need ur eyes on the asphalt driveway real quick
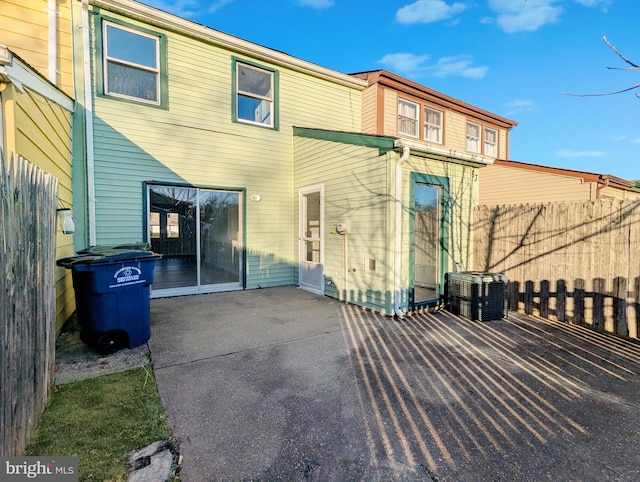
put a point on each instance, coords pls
(281, 384)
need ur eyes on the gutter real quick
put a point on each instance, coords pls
(88, 122)
(52, 10)
(397, 271)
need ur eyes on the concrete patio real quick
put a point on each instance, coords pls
(281, 384)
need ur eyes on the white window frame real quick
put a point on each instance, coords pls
(106, 59)
(402, 118)
(269, 99)
(434, 127)
(490, 147)
(473, 142)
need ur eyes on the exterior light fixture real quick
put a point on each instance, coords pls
(66, 221)
(255, 197)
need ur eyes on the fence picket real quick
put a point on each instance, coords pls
(28, 201)
(574, 262)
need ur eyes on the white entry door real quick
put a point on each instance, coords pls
(311, 239)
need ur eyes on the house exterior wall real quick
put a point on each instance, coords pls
(195, 142)
(24, 28)
(455, 113)
(356, 186)
(507, 185)
(500, 184)
(359, 189)
(39, 129)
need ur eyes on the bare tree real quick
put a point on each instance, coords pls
(627, 61)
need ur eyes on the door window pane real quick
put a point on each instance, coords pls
(173, 215)
(427, 243)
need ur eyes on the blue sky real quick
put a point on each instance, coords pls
(514, 58)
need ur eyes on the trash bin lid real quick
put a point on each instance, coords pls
(110, 254)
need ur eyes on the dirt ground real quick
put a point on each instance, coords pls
(76, 360)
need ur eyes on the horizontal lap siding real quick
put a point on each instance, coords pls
(195, 142)
(503, 185)
(463, 192)
(355, 183)
(24, 29)
(44, 138)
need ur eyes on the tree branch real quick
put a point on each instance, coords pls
(620, 55)
(608, 93)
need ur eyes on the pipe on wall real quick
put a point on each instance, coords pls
(88, 121)
(397, 271)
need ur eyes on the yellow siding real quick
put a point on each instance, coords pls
(196, 142)
(355, 183)
(613, 193)
(24, 28)
(455, 134)
(463, 192)
(509, 185)
(390, 113)
(40, 131)
(503, 145)
(370, 110)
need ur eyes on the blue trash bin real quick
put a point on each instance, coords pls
(112, 287)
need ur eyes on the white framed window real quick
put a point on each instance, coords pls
(432, 125)
(255, 98)
(131, 63)
(473, 136)
(408, 118)
(490, 142)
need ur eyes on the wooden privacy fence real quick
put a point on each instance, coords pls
(28, 201)
(576, 262)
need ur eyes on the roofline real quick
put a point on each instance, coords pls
(201, 32)
(389, 79)
(586, 176)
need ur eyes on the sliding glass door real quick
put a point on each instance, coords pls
(199, 234)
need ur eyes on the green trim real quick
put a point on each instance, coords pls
(384, 144)
(445, 220)
(99, 62)
(234, 94)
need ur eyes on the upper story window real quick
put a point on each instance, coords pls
(432, 125)
(473, 137)
(408, 118)
(255, 94)
(490, 142)
(132, 66)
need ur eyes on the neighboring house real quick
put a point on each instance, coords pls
(246, 168)
(36, 106)
(511, 182)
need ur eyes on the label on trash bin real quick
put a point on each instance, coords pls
(127, 276)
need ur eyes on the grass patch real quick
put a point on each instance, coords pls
(100, 420)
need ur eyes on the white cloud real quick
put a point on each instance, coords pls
(572, 153)
(404, 63)
(187, 8)
(416, 65)
(459, 65)
(636, 140)
(528, 16)
(521, 105)
(317, 3)
(427, 11)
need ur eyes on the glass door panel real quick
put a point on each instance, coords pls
(199, 234)
(219, 237)
(427, 243)
(172, 215)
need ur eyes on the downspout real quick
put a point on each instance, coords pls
(397, 271)
(52, 10)
(88, 122)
